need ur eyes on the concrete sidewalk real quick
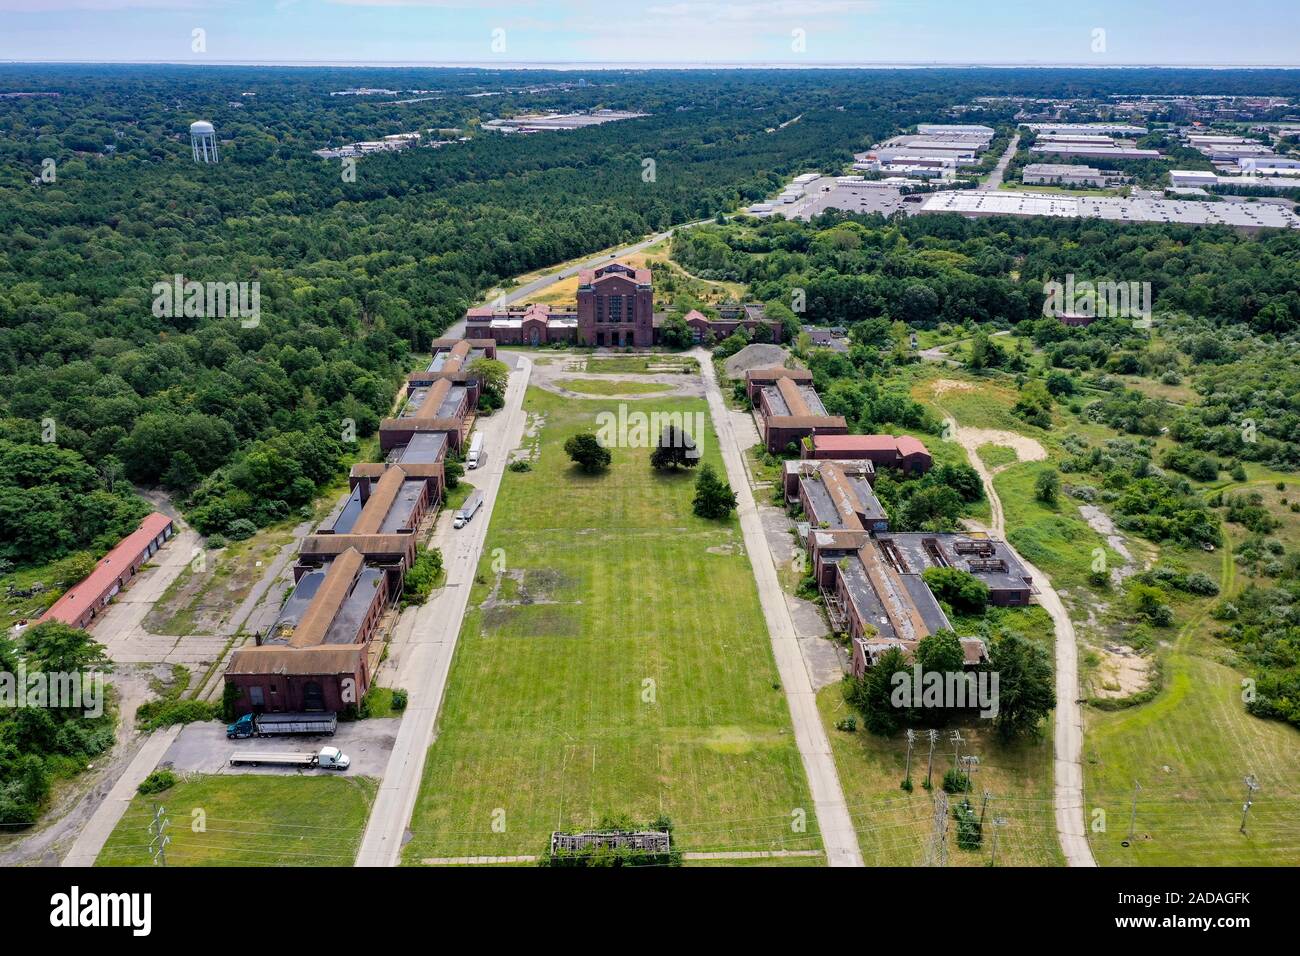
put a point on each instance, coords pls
(100, 826)
(838, 834)
(425, 640)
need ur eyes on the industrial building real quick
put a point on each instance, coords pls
(1087, 129)
(318, 655)
(788, 407)
(900, 452)
(1093, 150)
(443, 408)
(82, 603)
(1248, 217)
(1067, 174)
(615, 309)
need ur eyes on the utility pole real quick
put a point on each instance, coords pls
(158, 836)
(929, 764)
(907, 773)
(970, 763)
(1132, 817)
(998, 824)
(1251, 786)
(956, 748)
(937, 854)
(984, 806)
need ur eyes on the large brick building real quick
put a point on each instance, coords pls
(789, 408)
(903, 452)
(318, 655)
(615, 309)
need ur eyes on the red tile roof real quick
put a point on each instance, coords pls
(82, 596)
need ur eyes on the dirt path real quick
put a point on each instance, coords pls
(1067, 738)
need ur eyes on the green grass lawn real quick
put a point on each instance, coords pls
(995, 456)
(614, 661)
(894, 826)
(250, 820)
(601, 386)
(640, 364)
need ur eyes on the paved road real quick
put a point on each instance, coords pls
(204, 748)
(995, 177)
(97, 830)
(425, 639)
(838, 835)
(1067, 735)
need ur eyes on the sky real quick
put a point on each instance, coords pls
(793, 32)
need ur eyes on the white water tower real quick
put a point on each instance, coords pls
(203, 142)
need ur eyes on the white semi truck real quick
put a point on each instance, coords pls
(329, 758)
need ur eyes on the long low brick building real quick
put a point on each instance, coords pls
(318, 655)
(902, 452)
(86, 600)
(789, 408)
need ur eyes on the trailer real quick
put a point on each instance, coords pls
(328, 758)
(468, 509)
(278, 725)
(476, 454)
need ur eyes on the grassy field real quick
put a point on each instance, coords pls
(250, 820)
(614, 661)
(640, 364)
(894, 826)
(602, 386)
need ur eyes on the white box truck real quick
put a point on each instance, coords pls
(476, 454)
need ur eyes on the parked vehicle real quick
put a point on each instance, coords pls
(468, 509)
(329, 758)
(275, 725)
(476, 454)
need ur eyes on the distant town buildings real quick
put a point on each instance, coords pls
(548, 122)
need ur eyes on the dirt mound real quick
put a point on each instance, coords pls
(755, 356)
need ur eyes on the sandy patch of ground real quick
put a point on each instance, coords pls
(1122, 672)
(943, 386)
(1100, 522)
(1026, 449)
(755, 356)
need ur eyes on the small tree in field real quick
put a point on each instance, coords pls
(1047, 486)
(587, 452)
(713, 496)
(675, 448)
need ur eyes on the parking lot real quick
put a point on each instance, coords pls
(204, 748)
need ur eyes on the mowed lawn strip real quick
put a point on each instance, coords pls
(248, 820)
(614, 661)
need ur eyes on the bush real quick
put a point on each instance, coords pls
(422, 577)
(520, 465)
(216, 541)
(954, 781)
(969, 832)
(167, 711)
(966, 593)
(399, 699)
(586, 451)
(714, 498)
(157, 782)
(241, 528)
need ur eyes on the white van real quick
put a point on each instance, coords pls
(476, 455)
